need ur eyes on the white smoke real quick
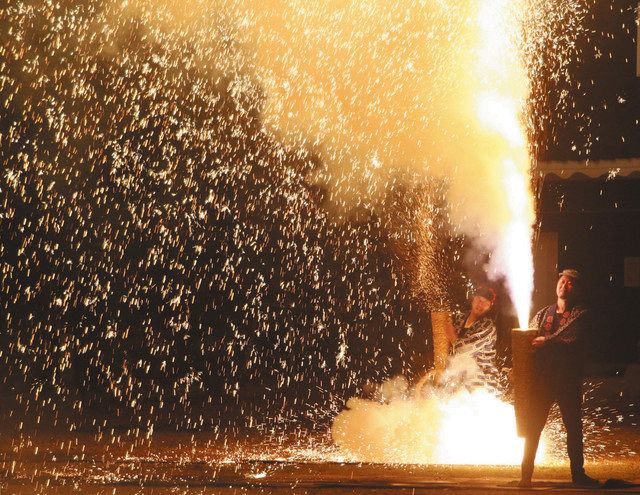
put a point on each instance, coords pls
(447, 423)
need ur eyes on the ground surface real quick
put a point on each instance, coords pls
(181, 463)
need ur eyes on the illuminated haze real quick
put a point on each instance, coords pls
(386, 93)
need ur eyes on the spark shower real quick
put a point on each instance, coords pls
(200, 202)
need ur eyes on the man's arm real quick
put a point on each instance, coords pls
(536, 324)
(572, 334)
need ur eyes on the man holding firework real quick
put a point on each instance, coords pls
(557, 375)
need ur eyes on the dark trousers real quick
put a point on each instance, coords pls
(570, 402)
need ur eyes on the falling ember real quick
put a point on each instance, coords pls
(502, 91)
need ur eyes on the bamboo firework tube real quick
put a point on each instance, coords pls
(440, 341)
(522, 356)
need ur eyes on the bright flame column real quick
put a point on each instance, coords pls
(502, 89)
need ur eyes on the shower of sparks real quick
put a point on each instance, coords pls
(163, 260)
(198, 205)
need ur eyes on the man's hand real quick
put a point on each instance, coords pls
(538, 341)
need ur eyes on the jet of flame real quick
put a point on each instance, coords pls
(502, 91)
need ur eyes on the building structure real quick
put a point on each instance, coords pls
(588, 183)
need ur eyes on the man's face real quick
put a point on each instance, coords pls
(565, 288)
(480, 305)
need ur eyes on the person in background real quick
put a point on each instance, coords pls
(474, 334)
(557, 377)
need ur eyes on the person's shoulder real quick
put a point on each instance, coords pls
(581, 309)
(541, 312)
(537, 318)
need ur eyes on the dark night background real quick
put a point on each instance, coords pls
(149, 277)
(597, 219)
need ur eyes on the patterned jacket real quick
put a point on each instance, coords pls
(571, 330)
(559, 362)
(479, 341)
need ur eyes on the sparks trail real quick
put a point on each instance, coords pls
(159, 246)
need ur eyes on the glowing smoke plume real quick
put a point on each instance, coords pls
(464, 429)
(440, 92)
(439, 427)
(385, 93)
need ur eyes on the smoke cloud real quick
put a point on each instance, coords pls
(381, 92)
(387, 93)
(443, 425)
